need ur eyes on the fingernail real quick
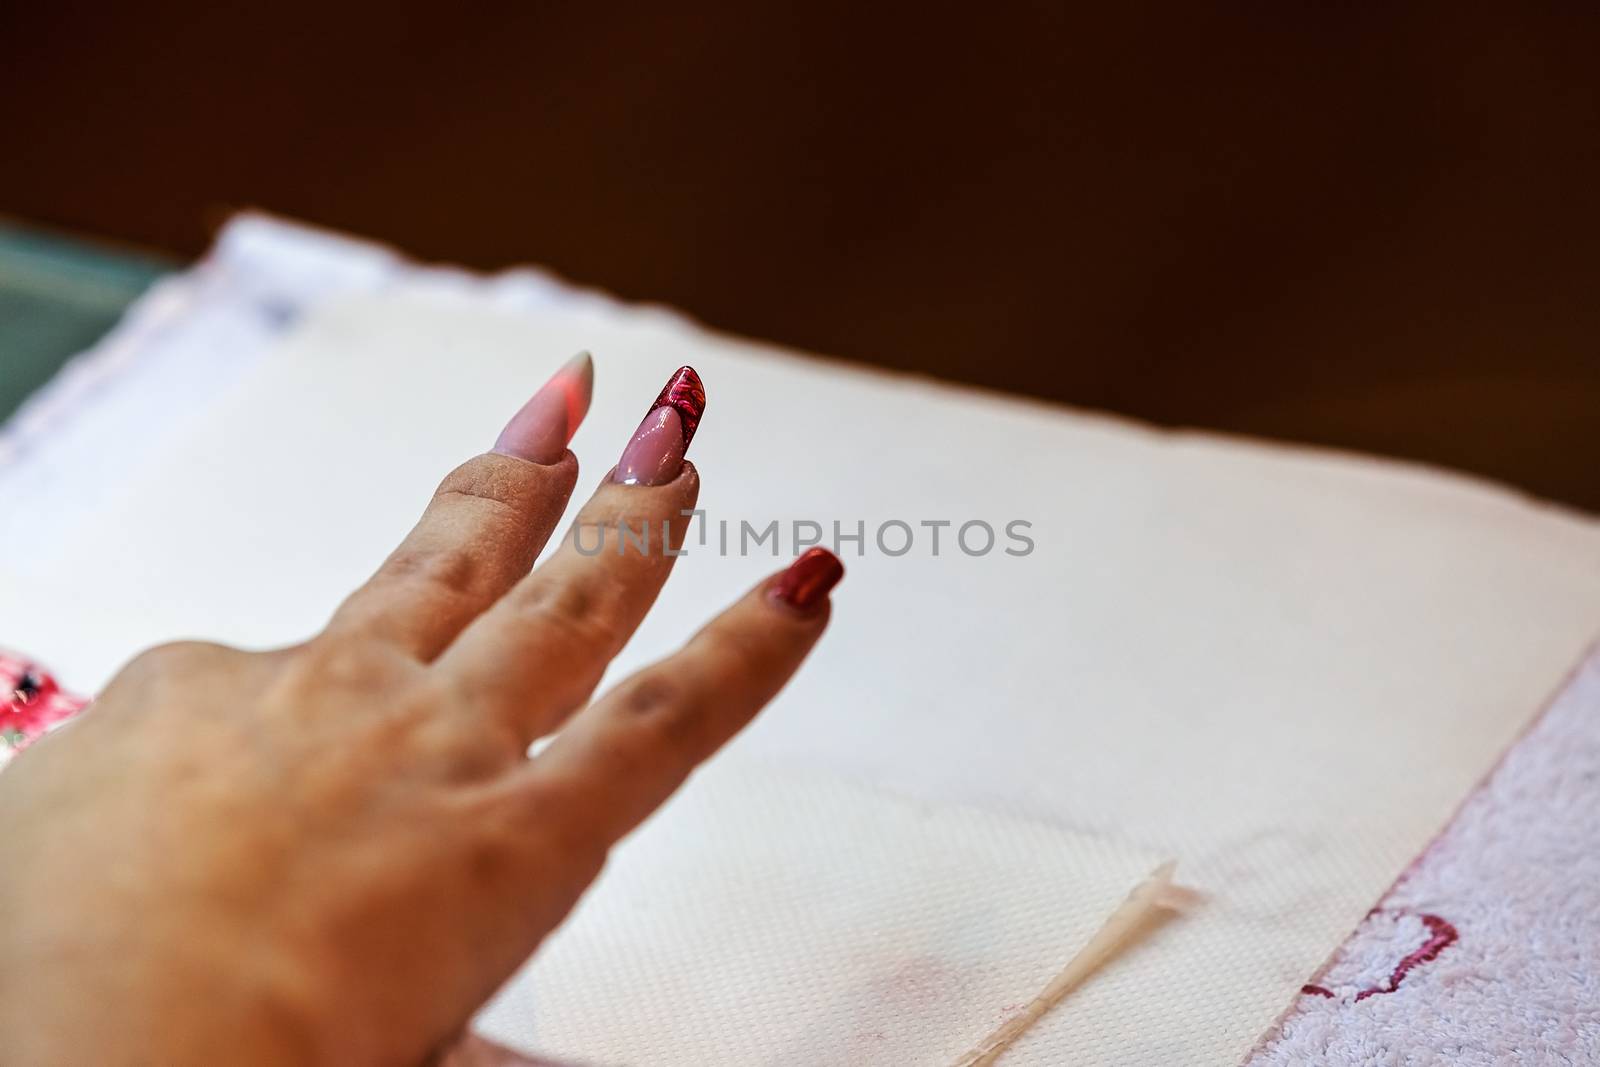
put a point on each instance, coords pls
(545, 425)
(809, 578)
(655, 454)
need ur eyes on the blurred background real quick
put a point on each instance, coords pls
(1369, 226)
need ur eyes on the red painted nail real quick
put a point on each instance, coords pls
(687, 394)
(655, 454)
(809, 578)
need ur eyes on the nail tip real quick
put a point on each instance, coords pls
(818, 552)
(579, 391)
(582, 370)
(544, 426)
(810, 578)
(835, 565)
(685, 393)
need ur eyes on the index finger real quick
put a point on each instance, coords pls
(485, 526)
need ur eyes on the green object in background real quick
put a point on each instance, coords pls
(58, 296)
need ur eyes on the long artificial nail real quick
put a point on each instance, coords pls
(809, 578)
(655, 454)
(545, 425)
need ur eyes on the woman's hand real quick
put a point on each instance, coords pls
(334, 853)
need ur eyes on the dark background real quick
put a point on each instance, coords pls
(1372, 226)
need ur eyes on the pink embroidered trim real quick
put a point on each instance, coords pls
(1441, 935)
(30, 703)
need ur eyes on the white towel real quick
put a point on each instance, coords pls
(1509, 897)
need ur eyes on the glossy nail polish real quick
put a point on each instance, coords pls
(809, 578)
(655, 453)
(542, 429)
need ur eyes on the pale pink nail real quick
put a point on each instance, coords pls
(655, 454)
(544, 426)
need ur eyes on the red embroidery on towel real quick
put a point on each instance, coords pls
(1441, 935)
(30, 703)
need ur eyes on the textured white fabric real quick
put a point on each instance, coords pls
(1284, 668)
(768, 917)
(1517, 877)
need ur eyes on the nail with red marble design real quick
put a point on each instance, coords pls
(809, 578)
(655, 453)
(544, 426)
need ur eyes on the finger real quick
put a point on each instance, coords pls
(470, 1050)
(540, 651)
(619, 759)
(482, 530)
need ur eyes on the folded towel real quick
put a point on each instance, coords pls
(1487, 951)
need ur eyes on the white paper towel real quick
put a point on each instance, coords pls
(769, 917)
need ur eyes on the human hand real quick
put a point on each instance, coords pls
(334, 853)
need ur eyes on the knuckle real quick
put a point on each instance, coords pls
(173, 657)
(461, 748)
(498, 484)
(164, 674)
(651, 695)
(572, 613)
(454, 570)
(658, 712)
(336, 662)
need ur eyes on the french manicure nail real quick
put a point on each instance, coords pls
(544, 426)
(809, 578)
(655, 453)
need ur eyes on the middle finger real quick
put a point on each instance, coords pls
(540, 651)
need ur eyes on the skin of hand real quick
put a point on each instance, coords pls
(335, 853)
